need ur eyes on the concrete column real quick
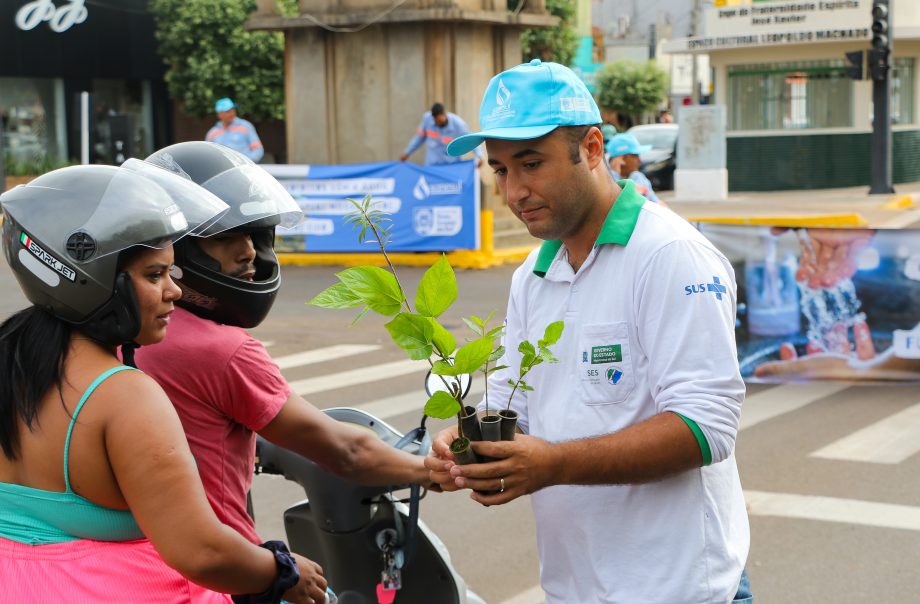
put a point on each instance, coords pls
(359, 78)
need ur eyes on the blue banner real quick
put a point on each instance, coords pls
(431, 208)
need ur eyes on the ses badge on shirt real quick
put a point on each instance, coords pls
(605, 354)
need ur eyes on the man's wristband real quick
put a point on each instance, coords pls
(287, 577)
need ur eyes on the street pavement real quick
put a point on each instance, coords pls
(829, 471)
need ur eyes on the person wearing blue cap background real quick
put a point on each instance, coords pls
(627, 443)
(235, 132)
(624, 150)
(438, 129)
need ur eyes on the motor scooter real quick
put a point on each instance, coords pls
(371, 544)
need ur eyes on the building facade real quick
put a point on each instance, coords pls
(795, 119)
(52, 52)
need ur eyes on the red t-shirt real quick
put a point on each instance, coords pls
(225, 387)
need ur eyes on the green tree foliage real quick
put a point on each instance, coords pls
(551, 43)
(631, 87)
(211, 55)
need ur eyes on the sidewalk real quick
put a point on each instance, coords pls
(849, 207)
(853, 207)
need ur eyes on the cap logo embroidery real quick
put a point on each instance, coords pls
(574, 103)
(502, 109)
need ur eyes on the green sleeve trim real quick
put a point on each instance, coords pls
(700, 438)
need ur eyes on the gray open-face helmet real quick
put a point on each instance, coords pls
(258, 203)
(64, 232)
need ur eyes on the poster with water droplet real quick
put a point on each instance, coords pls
(813, 304)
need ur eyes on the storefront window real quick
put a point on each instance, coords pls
(902, 91)
(32, 130)
(123, 120)
(775, 96)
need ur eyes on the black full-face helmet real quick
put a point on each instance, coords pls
(258, 203)
(64, 232)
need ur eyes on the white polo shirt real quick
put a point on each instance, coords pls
(649, 327)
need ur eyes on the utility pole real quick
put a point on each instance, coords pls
(880, 72)
(694, 32)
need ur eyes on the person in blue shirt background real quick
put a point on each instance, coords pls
(437, 129)
(623, 150)
(235, 132)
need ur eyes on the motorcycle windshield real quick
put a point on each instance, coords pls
(143, 205)
(256, 199)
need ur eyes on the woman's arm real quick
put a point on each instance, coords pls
(157, 476)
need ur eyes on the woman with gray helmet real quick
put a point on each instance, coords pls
(94, 461)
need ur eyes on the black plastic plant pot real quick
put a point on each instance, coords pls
(469, 421)
(463, 453)
(491, 427)
(509, 419)
(491, 430)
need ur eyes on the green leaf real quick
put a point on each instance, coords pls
(473, 355)
(552, 334)
(412, 333)
(444, 368)
(437, 290)
(494, 369)
(473, 326)
(442, 406)
(442, 339)
(529, 355)
(525, 386)
(375, 287)
(495, 332)
(479, 322)
(360, 315)
(496, 354)
(336, 296)
(547, 355)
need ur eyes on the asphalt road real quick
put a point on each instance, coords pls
(829, 472)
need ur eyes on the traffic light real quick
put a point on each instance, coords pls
(881, 40)
(880, 25)
(854, 69)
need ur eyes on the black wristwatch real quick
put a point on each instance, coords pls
(287, 577)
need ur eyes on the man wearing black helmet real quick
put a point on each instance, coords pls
(221, 380)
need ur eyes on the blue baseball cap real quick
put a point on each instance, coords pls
(224, 104)
(626, 144)
(530, 101)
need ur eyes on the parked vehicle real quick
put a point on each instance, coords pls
(659, 162)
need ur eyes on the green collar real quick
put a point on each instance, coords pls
(617, 228)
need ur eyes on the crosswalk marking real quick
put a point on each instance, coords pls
(361, 375)
(320, 355)
(833, 509)
(891, 440)
(774, 402)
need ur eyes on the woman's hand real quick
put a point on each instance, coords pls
(311, 588)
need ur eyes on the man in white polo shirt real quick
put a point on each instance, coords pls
(628, 440)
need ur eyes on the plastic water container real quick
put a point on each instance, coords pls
(772, 298)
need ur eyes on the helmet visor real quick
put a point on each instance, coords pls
(142, 205)
(200, 208)
(256, 198)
